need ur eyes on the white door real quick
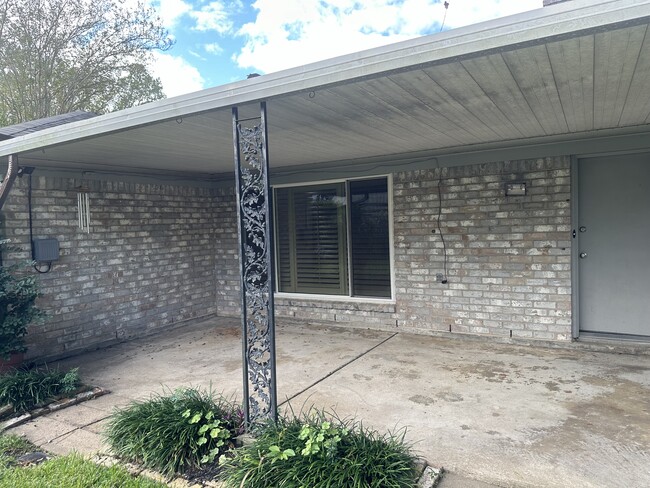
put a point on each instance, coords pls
(614, 244)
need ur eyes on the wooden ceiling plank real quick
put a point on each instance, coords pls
(531, 69)
(493, 75)
(406, 115)
(439, 101)
(573, 66)
(614, 72)
(464, 90)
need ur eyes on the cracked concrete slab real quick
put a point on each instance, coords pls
(500, 414)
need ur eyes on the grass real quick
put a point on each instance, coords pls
(312, 451)
(27, 389)
(67, 471)
(173, 433)
(73, 471)
(11, 447)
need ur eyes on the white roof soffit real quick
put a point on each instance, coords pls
(517, 39)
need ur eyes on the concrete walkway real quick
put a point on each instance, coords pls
(503, 415)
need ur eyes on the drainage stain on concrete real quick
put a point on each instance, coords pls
(361, 377)
(552, 386)
(409, 374)
(422, 400)
(449, 396)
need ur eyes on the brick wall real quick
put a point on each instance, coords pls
(160, 255)
(227, 252)
(508, 257)
(148, 262)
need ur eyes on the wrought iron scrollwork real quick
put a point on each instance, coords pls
(255, 240)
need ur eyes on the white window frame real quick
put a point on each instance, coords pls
(391, 248)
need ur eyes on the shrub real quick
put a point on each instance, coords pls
(26, 389)
(73, 471)
(18, 293)
(311, 451)
(175, 432)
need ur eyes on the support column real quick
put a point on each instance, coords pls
(8, 181)
(256, 266)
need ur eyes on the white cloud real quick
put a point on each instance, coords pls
(461, 13)
(295, 32)
(171, 11)
(213, 48)
(213, 16)
(176, 74)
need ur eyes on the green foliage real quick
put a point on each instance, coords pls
(12, 446)
(26, 389)
(210, 428)
(314, 452)
(18, 294)
(72, 471)
(175, 432)
(66, 55)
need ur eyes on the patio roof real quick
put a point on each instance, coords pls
(575, 70)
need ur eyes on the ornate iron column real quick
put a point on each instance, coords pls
(256, 266)
(8, 181)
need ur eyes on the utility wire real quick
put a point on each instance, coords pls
(446, 4)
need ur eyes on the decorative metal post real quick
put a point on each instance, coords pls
(8, 181)
(256, 266)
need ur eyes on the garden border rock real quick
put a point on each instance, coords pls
(56, 405)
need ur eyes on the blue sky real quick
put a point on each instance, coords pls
(220, 41)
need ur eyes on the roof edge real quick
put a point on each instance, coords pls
(558, 21)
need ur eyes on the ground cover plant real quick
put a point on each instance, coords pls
(72, 471)
(11, 447)
(172, 433)
(317, 452)
(24, 390)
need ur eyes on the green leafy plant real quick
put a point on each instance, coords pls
(26, 389)
(175, 432)
(315, 451)
(210, 428)
(18, 293)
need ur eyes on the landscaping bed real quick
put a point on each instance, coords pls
(27, 394)
(195, 435)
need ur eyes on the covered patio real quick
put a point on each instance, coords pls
(446, 122)
(506, 415)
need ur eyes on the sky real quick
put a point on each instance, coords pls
(221, 41)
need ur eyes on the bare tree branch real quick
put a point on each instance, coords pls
(57, 56)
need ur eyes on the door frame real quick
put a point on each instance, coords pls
(575, 236)
(575, 249)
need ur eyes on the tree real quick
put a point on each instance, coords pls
(57, 56)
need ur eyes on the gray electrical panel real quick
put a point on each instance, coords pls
(45, 250)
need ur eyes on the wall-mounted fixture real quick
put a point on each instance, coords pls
(83, 208)
(44, 251)
(516, 189)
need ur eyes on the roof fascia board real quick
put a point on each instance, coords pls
(609, 141)
(564, 20)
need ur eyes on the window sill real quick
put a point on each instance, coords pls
(333, 298)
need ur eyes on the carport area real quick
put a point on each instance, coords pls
(500, 413)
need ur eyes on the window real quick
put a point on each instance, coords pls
(333, 238)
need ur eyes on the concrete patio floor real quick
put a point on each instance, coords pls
(506, 415)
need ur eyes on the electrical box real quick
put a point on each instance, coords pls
(45, 250)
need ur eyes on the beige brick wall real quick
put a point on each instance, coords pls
(147, 263)
(508, 257)
(160, 254)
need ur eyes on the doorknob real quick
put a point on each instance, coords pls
(583, 255)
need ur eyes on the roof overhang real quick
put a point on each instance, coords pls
(575, 70)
